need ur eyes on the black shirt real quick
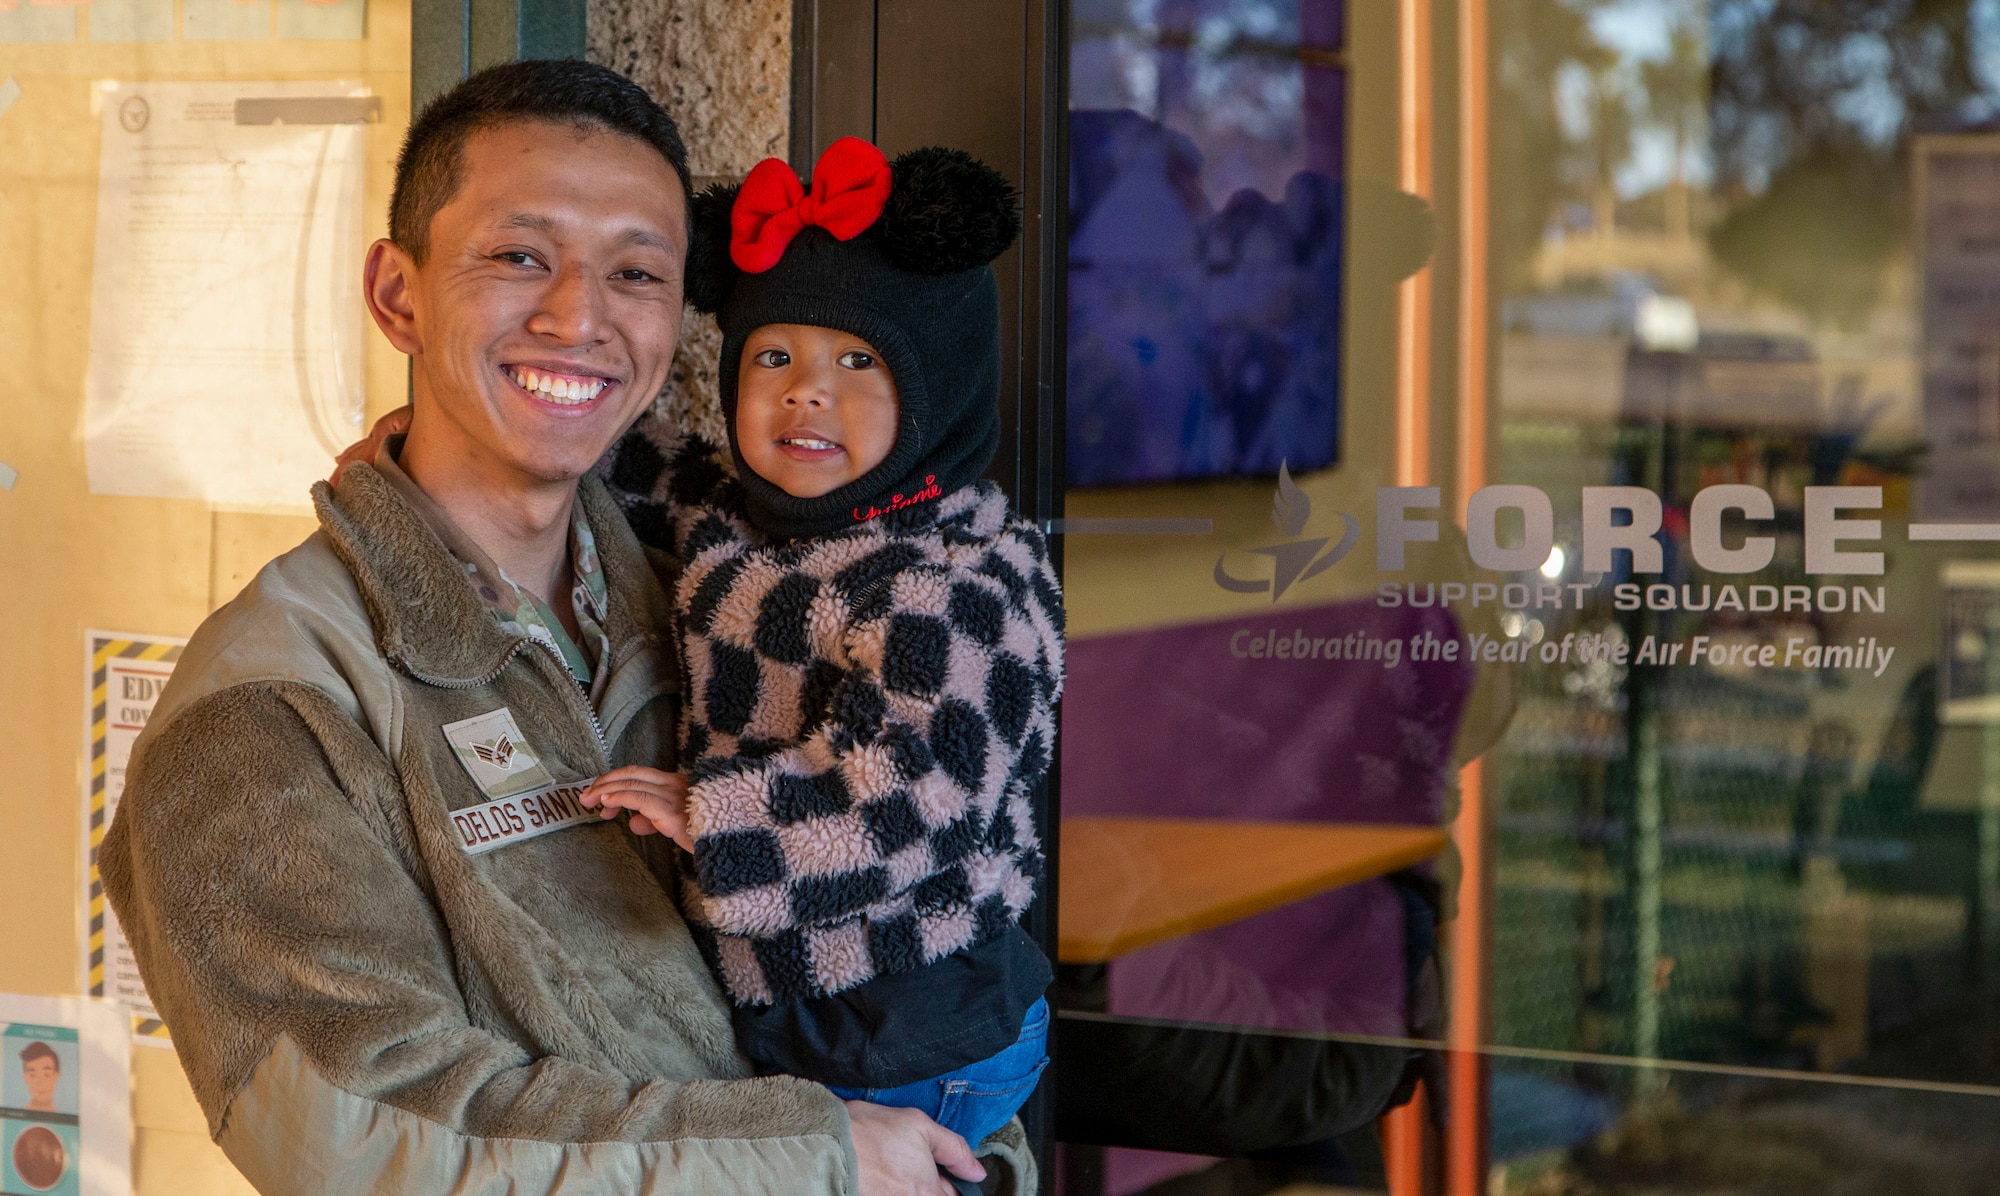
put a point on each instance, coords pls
(902, 1027)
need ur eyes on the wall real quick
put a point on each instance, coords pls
(723, 69)
(78, 561)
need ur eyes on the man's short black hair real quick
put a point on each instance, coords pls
(560, 91)
(40, 1050)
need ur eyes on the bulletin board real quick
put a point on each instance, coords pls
(87, 540)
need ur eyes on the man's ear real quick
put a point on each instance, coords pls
(389, 283)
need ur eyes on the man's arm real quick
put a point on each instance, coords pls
(310, 985)
(663, 479)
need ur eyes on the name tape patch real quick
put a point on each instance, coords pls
(519, 818)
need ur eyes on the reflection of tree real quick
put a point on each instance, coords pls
(1535, 39)
(1677, 99)
(1608, 143)
(1813, 102)
(1819, 234)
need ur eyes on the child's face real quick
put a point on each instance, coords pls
(815, 408)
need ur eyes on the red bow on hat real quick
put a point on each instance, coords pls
(850, 185)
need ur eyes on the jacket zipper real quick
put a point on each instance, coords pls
(583, 700)
(596, 728)
(512, 650)
(868, 591)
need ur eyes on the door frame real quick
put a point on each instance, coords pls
(894, 72)
(450, 39)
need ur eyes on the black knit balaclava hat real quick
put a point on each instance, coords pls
(914, 282)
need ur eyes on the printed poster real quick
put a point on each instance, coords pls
(126, 675)
(65, 1098)
(131, 20)
(23, 23)
(226, 315)
(225, 20)
(1958, 183)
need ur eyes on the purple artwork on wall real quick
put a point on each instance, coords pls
(1206, 220)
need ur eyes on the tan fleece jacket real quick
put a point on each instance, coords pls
(362, 1002)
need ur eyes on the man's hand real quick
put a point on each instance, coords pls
(900, 1151)
(658, 801)
(394, 423)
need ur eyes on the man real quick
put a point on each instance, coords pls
(41, 1070)
(394, 953)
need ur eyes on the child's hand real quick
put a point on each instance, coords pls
(658, 801)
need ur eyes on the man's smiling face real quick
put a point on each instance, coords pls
(544, 317)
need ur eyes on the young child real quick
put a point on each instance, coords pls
(872, 640)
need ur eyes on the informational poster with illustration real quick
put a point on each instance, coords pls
(226, 318)
(322, 20)
(65, 1111)
(39, 1077)
(126, 674)
(27, 23)
(200, 20)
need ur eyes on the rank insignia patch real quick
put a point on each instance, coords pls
(496, 755)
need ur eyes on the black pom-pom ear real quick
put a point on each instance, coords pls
(710, 273)
(947, 212)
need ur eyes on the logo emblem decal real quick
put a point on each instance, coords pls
(1297, 559)
(134, 114)
(496, 755)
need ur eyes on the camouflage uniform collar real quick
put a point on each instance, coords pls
(518, 611)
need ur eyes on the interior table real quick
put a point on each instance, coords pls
(1128, 883)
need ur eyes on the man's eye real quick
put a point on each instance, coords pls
(855, 359)
(517, 257)
(773, 359)
(636, 275)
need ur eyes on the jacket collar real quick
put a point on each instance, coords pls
(429, 621)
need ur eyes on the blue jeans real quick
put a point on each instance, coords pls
(981, 1097)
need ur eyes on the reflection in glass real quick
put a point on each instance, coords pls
(1205, 238)
(1251, 792)
(1784, 852)
(1746, 264)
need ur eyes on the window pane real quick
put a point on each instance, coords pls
(1628, 486)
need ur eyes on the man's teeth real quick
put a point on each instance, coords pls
(808, 442)
(558, 389)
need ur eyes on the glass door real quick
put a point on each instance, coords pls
(1529, 530)
(1258, 754)
(1745, 818)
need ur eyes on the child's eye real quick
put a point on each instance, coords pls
(773, 359)
(855, 359)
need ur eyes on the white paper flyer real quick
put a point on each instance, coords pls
(226, 316)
